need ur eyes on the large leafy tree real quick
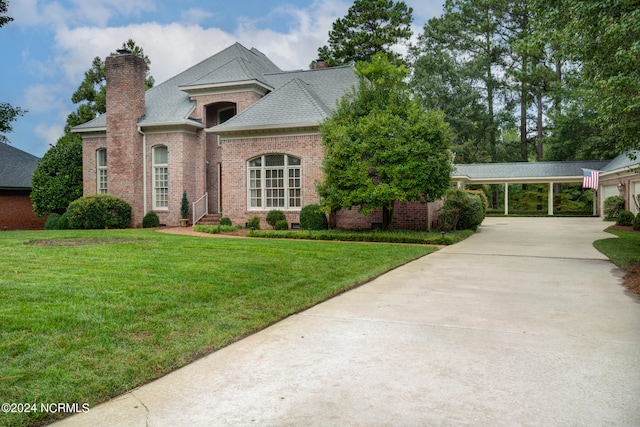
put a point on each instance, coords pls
(382, 146)
(601, 38)
(8, 113)
(92, 95)
(57, 181)
(370, 27)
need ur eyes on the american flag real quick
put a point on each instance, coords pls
(590, 178)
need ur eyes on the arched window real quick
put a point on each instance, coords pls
(274, 182)
(101, 171)
(160, 177)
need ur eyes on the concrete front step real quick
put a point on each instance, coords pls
(210, 219)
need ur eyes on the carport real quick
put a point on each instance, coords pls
(525, 173)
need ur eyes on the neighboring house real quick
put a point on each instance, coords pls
(16, 170)
(235, 132)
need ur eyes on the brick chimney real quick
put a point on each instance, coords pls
(125, 76)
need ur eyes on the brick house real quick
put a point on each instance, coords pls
(235, 132)
(16, 171)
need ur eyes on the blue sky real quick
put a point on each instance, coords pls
(51, 43)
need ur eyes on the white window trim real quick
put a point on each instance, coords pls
(263, 188)
(99, 170)
(156, 166)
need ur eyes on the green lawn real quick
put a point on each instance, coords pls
(623, 250)
(81, 324)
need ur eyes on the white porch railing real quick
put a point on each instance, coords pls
(200, 208)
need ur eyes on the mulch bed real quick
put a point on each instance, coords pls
(632, 276)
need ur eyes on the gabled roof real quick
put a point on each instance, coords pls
(623, 161)
(168, 103)
(16, 168)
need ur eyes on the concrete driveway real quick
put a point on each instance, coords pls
(524, 323)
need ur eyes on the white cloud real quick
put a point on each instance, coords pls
(195, 15)
(42, 98)
(48, 134)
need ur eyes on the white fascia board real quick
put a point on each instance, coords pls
(262, 128)
(226, 87)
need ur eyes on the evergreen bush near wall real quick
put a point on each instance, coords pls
(312, 218)
(612, 207)
(274, 216)
(625, 218)
(465, 210)
(184, 206)
(63, 224)
(225, 221)
(254, 223)
(636, 222)
(281, 225)
(52, 222)
(99, 211)
(150, 220)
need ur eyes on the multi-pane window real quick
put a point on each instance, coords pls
(101, 174)
(160, 178)
(274, 182)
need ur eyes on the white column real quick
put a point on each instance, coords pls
(550, 211)
(506, 198)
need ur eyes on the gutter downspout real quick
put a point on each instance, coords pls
(144, 169)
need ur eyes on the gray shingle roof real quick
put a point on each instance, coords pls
(16, 168)
(309, 100)
(523, 171)
(168, 103)
(623, 161)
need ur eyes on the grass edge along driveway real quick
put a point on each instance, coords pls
(89, 315)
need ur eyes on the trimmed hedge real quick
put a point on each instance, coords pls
(274, 216)
(215, 229)
(225, 221)
(612, 207)
(462, 210)
(636, 222)
(414, 237)
(63, 224)
(625, 218)
(281, 225)
(52, 222)
(254, 223)
(150, 220)
(99, 211)
(313, 218)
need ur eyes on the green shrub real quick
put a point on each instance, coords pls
(225, 221)
(313, 218)
(281, 225)
(52, 222)
(612, 207)
(254, 223)
(469, 207)
(274, 216)
(99, 211)
(215, 229)
(636, 222)
(150, 220)
(625, 218)
(63, 224)
(184, 206)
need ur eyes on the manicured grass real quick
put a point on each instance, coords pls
(89, 320)
(623, 250)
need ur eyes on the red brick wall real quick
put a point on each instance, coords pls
(406, 216)
(16, 212)
(236, 153)
(125, 77)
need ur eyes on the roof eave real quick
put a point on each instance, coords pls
(281, 127)
(221, 87)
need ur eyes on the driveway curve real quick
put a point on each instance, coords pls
(524, 323)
